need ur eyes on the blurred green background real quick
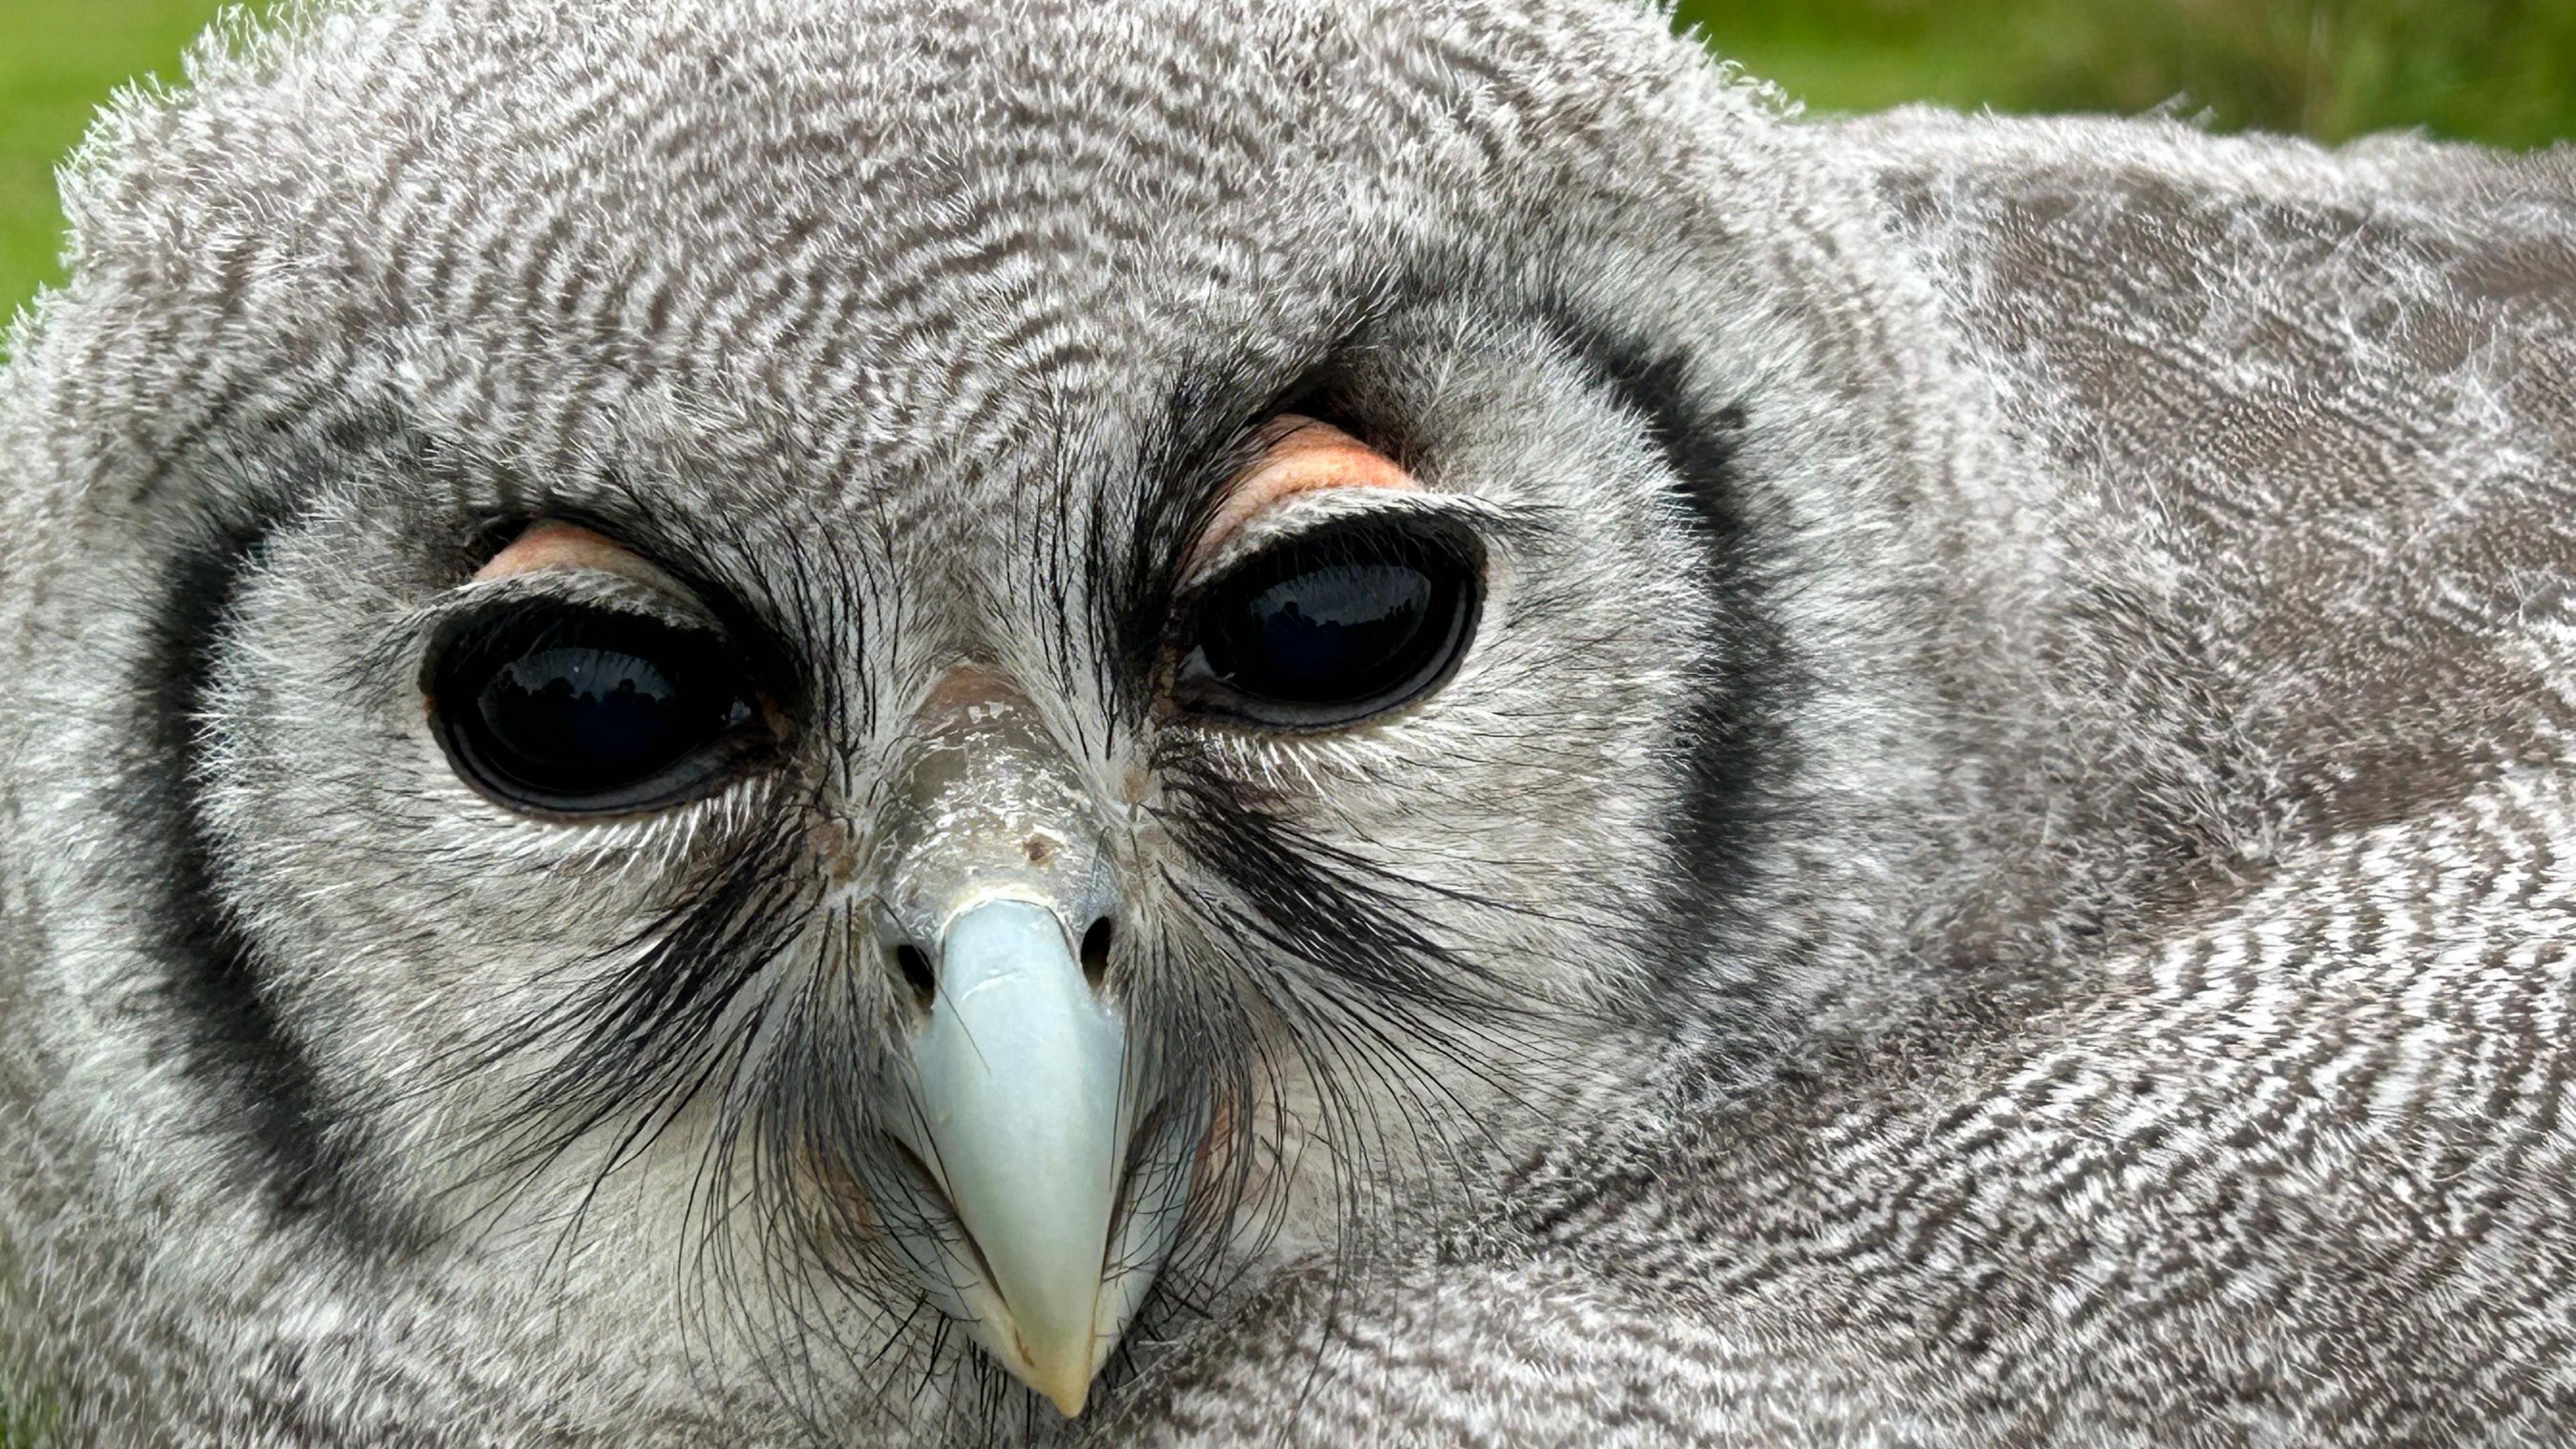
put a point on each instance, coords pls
(2491, 70)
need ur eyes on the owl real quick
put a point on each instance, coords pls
(684, 756)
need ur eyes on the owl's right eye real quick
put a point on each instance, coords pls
(570, 711)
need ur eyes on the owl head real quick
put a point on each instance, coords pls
(854, 700)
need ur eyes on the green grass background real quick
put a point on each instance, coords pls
(2493, 70)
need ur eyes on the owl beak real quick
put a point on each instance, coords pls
(1033, 1210)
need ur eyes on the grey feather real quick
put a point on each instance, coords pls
(1997, 871)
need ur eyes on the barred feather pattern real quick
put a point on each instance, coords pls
(2282, 1155)
(1997, 872)
(2295, 1175)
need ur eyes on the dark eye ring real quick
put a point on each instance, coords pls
(565, 710)
(1334, 626)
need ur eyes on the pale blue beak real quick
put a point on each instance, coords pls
(1054, 1222)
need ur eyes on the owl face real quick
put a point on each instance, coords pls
(811, 705)
(970, 888)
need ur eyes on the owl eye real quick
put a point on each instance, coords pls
(565, 710)
(1337, 625)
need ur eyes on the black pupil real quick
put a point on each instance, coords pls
(573, 707)
(1351, 620)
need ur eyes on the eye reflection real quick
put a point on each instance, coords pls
(1337, 625)
(576, 710)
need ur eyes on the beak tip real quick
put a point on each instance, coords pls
(1068, 1389)
(1061, 1378)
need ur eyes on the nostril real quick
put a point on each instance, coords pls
(1095, 952)
(914, 968)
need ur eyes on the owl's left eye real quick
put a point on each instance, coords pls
(1334, 627)
(563, 710)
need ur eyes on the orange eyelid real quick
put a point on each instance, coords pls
(548, 544)
(1304, 456)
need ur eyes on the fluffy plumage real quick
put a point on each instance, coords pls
(1997, 871)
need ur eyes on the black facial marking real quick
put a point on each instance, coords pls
(285, 1145)
(1322, 905)
(649, 1026)
(1698, 438)
(1737, 750)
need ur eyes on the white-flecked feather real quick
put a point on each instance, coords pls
(1998, 870)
